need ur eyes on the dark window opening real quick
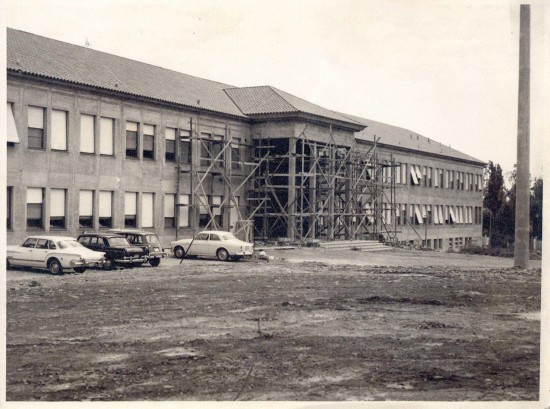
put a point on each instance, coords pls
(149, 147)
(170, 151)
(130, 221)
(169, 222)
(86, 221)
(34, 216)
(105, 222)
(36, 138)
(57, 222)
(185, 151)
(206, 148)
(131, 144)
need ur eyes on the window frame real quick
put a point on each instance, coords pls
(41, 131)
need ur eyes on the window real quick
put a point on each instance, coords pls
(185, 147)
(35, 211)
(35, 127)
(147, 209)
(149, 142)
(57, 208)
(234, 213)
(217, 210)
(105, 209)
(430, 177)
(30, 243)
(416, 175)
(206, 149)
(132, 139)
(169, 211)
(235, 154)
(451, 179)
(106, 136)
(9, 208)
(12, 135)
(42, 244)
(404, 173)
(59, 130)
(183, 211)
(86, 209)
(170, 145)
(87, 133)
(398, 174)
(425, 175)
(204, 211)
(217, 149)
(130, 209)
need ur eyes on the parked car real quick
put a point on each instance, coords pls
(147, 240)
(118, 252)
(220, 244)
(53, 253)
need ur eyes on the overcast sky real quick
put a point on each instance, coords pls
(447, 70)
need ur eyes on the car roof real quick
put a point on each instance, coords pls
(106, 235)
(216, 232)
(53, 238)
(130, 231)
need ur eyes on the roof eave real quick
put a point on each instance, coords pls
(18, 73)
(476, 162)
(279, 116)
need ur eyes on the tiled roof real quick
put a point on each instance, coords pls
(270, 100)
(45, 57)
(403, 138)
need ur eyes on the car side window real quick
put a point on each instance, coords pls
(202, 236)
(94, 241)
(42, 244)
(214, 237)
(29, 243)
(51, 245)
(84, 240)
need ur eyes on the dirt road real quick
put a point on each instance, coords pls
(339, 328)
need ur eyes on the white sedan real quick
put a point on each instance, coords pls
(220, 244)
(53, 253)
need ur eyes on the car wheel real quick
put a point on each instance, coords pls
(154, 262)
(108, 265)
(55, 267)
(79, 270)
(223, 254)
(179, 252)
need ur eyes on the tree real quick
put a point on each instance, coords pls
(493, 197)
(493, 194)
(535, 214)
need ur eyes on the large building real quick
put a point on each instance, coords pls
(98, 141)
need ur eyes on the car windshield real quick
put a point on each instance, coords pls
(229, 237)
(152, 239)
(118, 241)
(63, 244)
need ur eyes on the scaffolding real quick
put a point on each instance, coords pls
(211, 172)
(308, 189)
(298, 188)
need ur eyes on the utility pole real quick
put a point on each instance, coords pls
(521, 245)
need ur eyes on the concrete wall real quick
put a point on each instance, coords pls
(73, 170)
(408, 193)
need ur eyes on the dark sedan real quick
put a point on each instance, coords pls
(118, 251)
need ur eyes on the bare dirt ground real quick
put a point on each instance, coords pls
(312, 324)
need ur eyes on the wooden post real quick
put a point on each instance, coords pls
(521, 245)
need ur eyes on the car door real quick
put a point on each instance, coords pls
(23, 256)
(41, 252)
(199, 246)
(214, 243)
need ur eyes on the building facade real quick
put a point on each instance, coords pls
(90, 148)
